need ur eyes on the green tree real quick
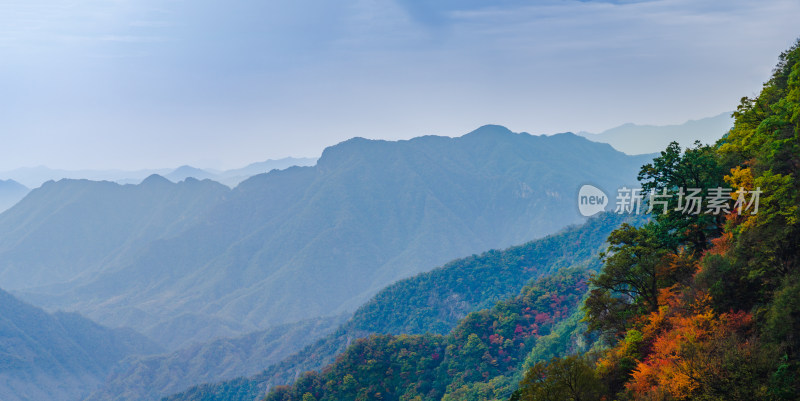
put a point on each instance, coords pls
(634, 270)
(561, 379)
(676, 172)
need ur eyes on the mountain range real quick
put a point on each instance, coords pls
(33, 177)
(297, 243)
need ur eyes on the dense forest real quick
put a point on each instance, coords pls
(701, 302)
(480, 356)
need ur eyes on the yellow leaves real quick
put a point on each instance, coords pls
(680, 385)
(658, 321)
(740, 178)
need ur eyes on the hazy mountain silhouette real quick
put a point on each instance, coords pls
(307, 241)
(74, 227)
(233, 177)
(33, 177)
(11, 192)
(636, 139)
(183, 172)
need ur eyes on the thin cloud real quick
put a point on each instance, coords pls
(151, 24)
(131, 39)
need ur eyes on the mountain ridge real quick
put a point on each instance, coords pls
(320, 240)
(642, 139)
(33, 177)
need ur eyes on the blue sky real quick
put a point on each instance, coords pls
(159, 83)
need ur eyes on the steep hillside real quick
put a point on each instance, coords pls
(60, 356)
(434, 302)
(482, 355)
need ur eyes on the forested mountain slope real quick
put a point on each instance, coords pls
(483, 355)
(434, 302)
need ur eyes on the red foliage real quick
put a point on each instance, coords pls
(541, 317)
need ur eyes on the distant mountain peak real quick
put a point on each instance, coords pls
(571, 136)
(359, 142)
(183, 172)
(155, 179)
(187, 169)
(491, 130)
(11, 184)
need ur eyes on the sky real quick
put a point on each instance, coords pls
(133, 84)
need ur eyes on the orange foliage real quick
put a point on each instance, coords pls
(686, 343)
(720, 245)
